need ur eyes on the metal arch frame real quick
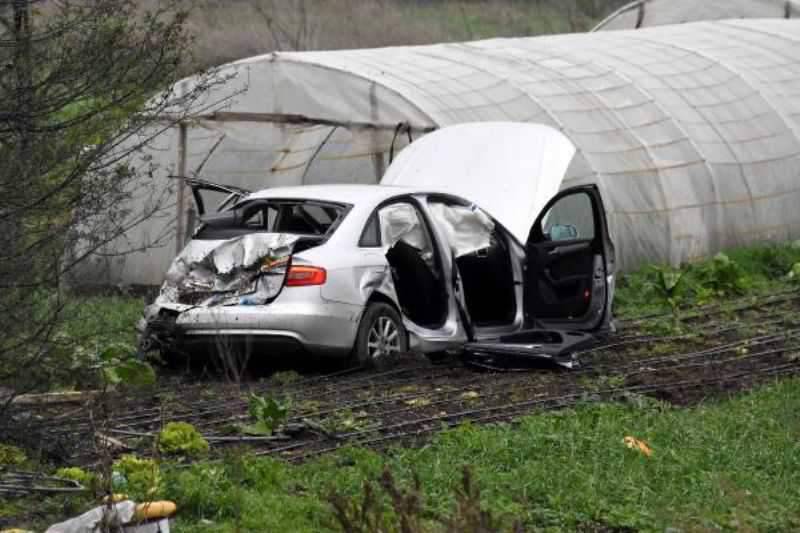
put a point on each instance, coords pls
(791, 8)
(638, 4)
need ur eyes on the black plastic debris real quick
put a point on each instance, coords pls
(528, 350)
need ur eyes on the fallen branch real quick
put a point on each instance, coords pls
(49, 398)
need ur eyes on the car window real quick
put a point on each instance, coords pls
(299, 217)
(371, 236)
(570, 218)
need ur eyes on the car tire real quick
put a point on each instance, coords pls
(381, 336)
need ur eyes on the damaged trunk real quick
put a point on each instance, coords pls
(247, 270)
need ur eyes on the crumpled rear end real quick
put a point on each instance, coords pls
(247, 270)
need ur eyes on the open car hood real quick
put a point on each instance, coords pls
(509, 169)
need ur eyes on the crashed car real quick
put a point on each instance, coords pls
(467, 243)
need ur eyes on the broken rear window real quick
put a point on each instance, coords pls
(296, 217)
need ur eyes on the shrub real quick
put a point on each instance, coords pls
(140, 478)
(794, 273)
(182, 438)
(721, 276)
(74, 473)
(11, 455)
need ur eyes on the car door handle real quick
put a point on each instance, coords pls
(568, 249)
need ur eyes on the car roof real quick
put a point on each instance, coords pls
(350, 194)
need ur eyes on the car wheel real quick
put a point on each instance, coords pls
(381, 335)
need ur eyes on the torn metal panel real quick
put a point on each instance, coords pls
(527, 349)
(247, 270)
(468, 229)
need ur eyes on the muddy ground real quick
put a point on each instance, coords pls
(718, 350)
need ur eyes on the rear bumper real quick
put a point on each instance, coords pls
(319, 327)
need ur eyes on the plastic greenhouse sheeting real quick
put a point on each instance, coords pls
(645, 13)
(692, 131)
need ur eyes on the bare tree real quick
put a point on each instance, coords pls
(84, 85)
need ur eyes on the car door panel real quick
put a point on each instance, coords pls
(202, 190)
(566, 285)
(565, 279)
(557, 279)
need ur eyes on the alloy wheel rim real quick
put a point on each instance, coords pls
(383, 338)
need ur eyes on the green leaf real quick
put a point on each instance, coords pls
(670, 279)
(268, 414)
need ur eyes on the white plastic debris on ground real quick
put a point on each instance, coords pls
(119, 517)
(98, 519)
(247, 270)
(159, 526)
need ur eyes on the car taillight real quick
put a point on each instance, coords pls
(302, 276)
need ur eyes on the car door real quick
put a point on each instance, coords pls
(568, 277)
(568, 284)
(209, 198)
(213, 196)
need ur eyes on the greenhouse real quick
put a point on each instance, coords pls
(692, 131)
(646, 13)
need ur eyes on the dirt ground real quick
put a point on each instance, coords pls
(718, 351)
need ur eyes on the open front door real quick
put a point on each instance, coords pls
(568, 286)
(570, 261)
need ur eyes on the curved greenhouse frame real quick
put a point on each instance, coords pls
(691, 131)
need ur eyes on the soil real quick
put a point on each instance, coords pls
(718, 351)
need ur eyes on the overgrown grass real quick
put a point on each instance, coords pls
(92, 330)
(91, 320)
(730, 466)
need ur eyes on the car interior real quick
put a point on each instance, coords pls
(488, 282)
(314, 221)
(416, 270)
(561, 252)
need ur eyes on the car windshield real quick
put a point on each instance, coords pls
(298, 217)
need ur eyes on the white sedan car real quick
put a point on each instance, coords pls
(467, 243)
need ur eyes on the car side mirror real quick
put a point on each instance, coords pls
(563, 232)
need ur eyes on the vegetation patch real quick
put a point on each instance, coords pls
(756, 270)
(182, 438)
(73, 473)
(729, 466)
(137, 477)
(267, 414)
(11, 455)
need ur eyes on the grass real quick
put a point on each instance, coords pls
(729, 466)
